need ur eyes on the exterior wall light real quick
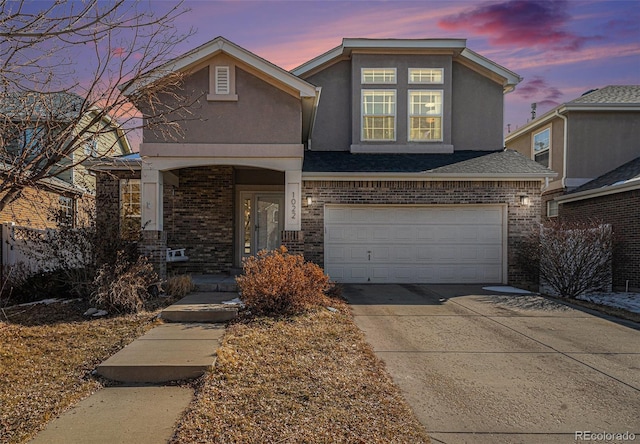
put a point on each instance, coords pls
(309, 200)
(525, 200)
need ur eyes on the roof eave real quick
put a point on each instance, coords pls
(599, 192)
(425, 176)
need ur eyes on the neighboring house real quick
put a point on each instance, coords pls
(381, 160)
(613, 198)
(28, 123)
(582, 139)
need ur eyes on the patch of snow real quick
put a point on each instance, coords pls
(234, 301)
(332, 309)
(90, 311)
(100, 313)
(626, 301)
(507, 289)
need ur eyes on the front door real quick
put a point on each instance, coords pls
(262, 222)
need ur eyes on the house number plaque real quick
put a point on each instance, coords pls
(292, 203)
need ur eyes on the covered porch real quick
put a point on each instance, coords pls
(219, 210)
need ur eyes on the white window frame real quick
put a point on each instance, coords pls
(426, 82)
(125, 186)
(547, 150)
(67, 210)
(381, 71)
(552, 210)
(363, 115)
(410, 115)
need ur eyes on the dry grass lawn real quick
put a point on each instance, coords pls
(308, 378)
(47, 353)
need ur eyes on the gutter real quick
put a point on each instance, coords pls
(423, 176)
(599, 192)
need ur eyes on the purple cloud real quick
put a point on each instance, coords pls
(540, 91)
(519, 23)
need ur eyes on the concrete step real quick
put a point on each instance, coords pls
(217, 287)
(202, 307)
(169, 352)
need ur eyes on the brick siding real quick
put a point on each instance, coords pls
(622, 211)
(520, 218)
(198, 216)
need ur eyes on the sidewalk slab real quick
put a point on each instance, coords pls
(114, 415)
(168, 352)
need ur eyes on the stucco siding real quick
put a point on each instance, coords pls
(332, 129)
(601, 141)
(262, 114)
(477, 117)
(402, 63)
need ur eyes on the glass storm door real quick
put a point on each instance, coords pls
(262, 222)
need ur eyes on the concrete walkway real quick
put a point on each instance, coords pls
(139, 412)
(481, 367)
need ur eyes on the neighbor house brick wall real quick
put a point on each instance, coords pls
(622, 212)
(546, 197)
(34, 208)
(198, 216)
(520, 219)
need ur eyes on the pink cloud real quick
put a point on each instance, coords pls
(519, 23)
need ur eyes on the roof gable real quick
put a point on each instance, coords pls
(218, 45)
(457, 47)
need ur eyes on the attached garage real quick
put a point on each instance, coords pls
(415, 243)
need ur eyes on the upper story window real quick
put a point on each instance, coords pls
(541, 146)
(425, 115)
(130, 209)
(378, 76)
(378, 114)
(91, 148)
(426, 75)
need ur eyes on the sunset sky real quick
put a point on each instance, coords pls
(560, 48)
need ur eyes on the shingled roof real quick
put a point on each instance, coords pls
(624, 174)
(466, 163)
(612, 94)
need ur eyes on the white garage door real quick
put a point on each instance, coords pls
(414, 244)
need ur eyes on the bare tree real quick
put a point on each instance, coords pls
(570, 258)
(62, 70)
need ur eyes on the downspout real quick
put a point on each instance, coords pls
(564, 156)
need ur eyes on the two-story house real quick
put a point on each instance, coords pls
(381, 160)
(593, 142)
(34, 128)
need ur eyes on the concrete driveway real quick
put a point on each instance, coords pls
(480, 367)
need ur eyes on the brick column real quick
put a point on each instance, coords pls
(294, 241)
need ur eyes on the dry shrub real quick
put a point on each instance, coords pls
(278, 283)
(179, 286)
(123, 286)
